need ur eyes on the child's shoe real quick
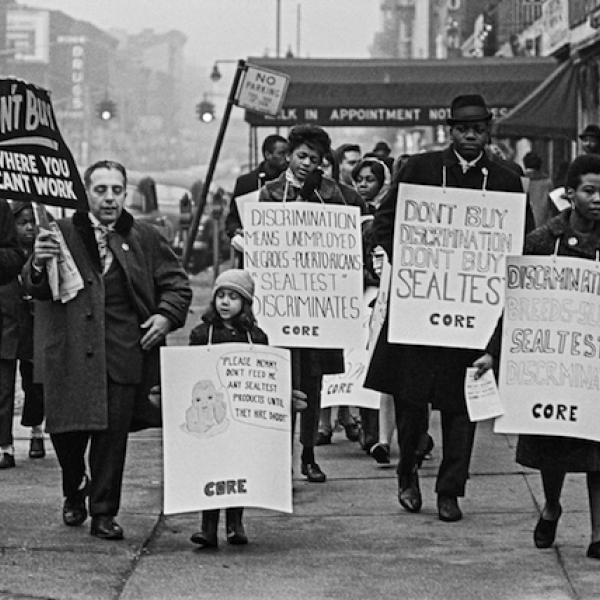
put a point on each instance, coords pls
(236, 534)
(207, 538)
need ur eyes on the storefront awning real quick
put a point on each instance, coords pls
(549, 111)
(398, 93)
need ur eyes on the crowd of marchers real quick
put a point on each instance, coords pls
(134, 292)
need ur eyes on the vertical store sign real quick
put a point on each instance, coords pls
(74, 57)
(77, 75)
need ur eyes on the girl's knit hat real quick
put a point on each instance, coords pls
(237, 280)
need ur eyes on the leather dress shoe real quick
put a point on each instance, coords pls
(204, 540)
(313, 472)
(36, 448)
(7, 461)
(74, 511)
(593, 550)
(448, 509)
(106, 528)
(409, 493)
(545, 531)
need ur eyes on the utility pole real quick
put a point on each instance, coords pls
(3, 37)
(298, 28)
(278, 29)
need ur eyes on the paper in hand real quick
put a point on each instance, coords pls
(483, 399)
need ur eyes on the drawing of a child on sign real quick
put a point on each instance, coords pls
(207, 416)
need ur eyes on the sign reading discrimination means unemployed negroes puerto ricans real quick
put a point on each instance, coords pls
(35, 163)
(306, 262)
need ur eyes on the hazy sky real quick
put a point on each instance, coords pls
(231, 29)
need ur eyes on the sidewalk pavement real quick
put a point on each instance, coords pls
(347, 538)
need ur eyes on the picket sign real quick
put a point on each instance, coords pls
(549, 375)
(226, 427)
(306, 262)
(448, 263)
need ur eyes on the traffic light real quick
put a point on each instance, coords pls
(106, 109)
(205, 111)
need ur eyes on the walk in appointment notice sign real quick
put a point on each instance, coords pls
(447, 280)
(226, 427)
(35, 163)
(306, 262)
(549, 376)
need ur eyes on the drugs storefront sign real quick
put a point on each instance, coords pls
(35, 162)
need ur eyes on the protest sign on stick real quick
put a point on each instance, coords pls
(35, 163)
(448, 264)
(549, 377)
(306, 262)
(226, 427)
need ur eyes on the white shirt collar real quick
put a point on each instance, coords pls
(467, 164)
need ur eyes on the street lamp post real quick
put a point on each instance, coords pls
(189, 246)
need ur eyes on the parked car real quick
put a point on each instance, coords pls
(156, 204)
(169, 209)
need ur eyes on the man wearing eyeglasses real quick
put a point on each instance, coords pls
(422, 375)
(99, 354)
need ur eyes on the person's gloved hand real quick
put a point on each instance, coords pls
(311, 183)
(379, 256)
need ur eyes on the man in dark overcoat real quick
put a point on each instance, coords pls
(274, 151)
(422, 375)
(100, 348)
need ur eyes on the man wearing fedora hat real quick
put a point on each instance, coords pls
(590, 139)
(421, 375)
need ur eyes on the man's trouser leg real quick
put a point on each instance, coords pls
(458, 434)
(108, 449)
(70, 451)
(411, 422)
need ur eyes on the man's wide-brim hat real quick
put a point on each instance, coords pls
(467, 109)
(591, 131)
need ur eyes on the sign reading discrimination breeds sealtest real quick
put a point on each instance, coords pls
(35, 163)
(306, 262)
(549, 376)
(447, 281)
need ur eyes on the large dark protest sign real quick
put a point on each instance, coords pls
(549, 375)
(35, 163)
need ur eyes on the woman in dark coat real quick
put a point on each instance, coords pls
(573, 232)
(303, 181)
